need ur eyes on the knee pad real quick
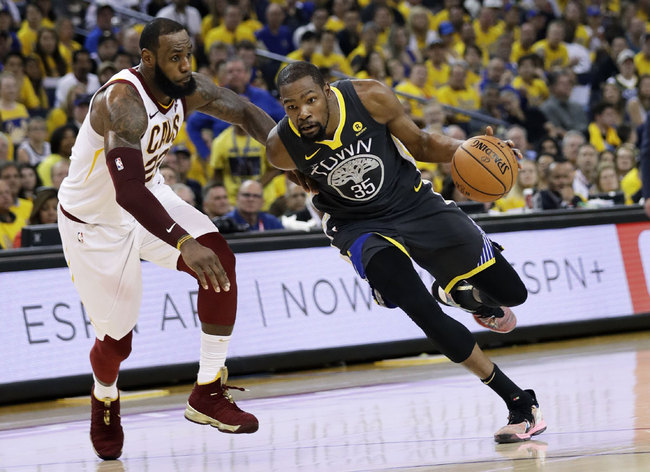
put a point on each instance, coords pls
(107, 355)
(216, 307)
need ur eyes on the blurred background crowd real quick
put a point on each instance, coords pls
(568, 81)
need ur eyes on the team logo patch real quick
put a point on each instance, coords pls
(359, 178)
(118, 163)
(80, 237)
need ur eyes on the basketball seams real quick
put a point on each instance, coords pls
(487, 169)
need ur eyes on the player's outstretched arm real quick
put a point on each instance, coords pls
(121, 116)
(226, 105)
(383, 105)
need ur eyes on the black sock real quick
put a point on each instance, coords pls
(506, 389)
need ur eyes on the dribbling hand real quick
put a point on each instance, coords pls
(205, 263)
(509, 142)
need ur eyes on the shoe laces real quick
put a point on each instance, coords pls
(223, 388)
(519, 415)
(490, 312)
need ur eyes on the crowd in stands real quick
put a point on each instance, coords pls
(568, 81)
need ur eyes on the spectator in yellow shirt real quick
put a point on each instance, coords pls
(335, 21)
(487, 28)
(467, 38)
(327, 58)
(15, 65)
(13, 115)
(528, 83)
(437, 64)
(474, 58)
(383, 18)
(457, 94)
(524, 47)
(10, 224)
(553, 49)
(642, 58)
(602, 131)
(235, 158)
(573, 17)
(29, 29)
(375, 67)
(369, 37)
(306, 50)
(231, 31)
(10, 174)
(417, 85)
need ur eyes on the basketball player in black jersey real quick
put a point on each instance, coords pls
(353, 146)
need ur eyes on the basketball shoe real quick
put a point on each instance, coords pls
(523, 423)
(212, 404)
(106, 432)
(500, 319)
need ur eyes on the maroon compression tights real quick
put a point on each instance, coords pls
(213, 307)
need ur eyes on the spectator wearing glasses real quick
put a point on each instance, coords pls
(250, 200)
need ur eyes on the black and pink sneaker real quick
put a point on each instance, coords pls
(523, 423)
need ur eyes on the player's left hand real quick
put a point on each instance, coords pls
(510, 143)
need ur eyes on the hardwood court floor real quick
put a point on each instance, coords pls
(421, 414)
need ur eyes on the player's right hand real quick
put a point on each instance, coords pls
(205, 263)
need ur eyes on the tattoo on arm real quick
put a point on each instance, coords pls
(127, 121)
(226, 105)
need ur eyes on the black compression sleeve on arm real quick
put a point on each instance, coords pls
(127, 171)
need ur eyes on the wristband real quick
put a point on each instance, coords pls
(180, 242)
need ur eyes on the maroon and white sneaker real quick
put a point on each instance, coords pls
(106, 432)
(498, 319)
(212, 404)
(523, 423)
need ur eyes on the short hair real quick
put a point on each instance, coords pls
(209, 186)
(17, 54)
(79, 52)
(600, 107)
(156, 28)
(297, 70)
(7, 164)
(553, 77)
(534, 58)
(572, 133)
(245, 44)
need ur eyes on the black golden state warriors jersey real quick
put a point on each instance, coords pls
(363, 171)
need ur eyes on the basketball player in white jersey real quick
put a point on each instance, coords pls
(115, 210)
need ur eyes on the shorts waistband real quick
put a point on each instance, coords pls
(71, 217)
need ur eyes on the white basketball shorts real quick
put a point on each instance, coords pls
(105, 265)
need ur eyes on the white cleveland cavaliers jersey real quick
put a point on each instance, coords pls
(87, 192)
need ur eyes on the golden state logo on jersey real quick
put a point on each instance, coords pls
(353, 171)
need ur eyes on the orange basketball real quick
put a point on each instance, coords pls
(484, 168)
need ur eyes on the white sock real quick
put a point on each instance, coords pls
(103, 391)
(213, 357)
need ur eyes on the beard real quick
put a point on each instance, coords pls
(320, 134)
(169, 88)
